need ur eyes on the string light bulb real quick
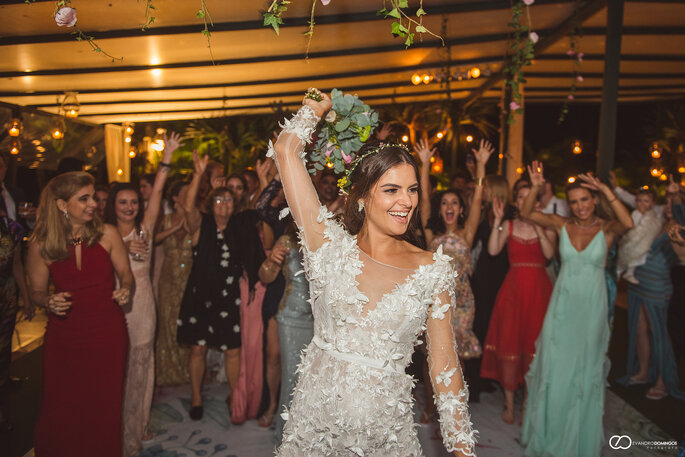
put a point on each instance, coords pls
(440, 135)
(405, 138)
(132, 153)
(663, 177)
(519, 170)
(469, 138)
(474, 73)
(128, 128)
(416, 79)
(656, 172)
(427, 78)
(571, 180)
(577, 147)
(655, 150)
(681, 169)
(437, 165)
(120, 171)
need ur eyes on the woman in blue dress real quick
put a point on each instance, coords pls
(566, 379)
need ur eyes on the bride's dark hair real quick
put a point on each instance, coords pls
(366, 175)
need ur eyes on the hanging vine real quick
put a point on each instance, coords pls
(522, 53)
(203, 13)
(577, 56)
(404, 24)
(65, 15)
(149, 11)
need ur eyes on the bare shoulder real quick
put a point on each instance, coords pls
(110, 235)
(419, 256)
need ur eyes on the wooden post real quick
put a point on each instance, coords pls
(607, 117)
(515, 144)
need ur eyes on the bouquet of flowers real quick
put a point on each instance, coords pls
(346, 128)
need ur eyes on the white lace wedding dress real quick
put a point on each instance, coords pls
(353, 396)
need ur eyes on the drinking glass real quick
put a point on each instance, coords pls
(140, 235)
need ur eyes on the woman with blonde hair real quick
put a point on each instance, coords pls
(86, 343)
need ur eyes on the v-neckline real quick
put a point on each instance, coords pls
(407, 280)
(587, 246)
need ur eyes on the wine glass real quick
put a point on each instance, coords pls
(140, 234)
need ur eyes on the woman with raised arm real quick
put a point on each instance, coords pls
(372, 293)
(567, 377)
(136, 225)
(85, 344)
(223, 249)
(522, 300)
(448, 227)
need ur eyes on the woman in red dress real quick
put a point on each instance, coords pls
(85, 344)
(521, 302)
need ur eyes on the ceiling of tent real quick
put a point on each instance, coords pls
(167, 71)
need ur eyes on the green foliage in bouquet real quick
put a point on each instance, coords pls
(343, 132)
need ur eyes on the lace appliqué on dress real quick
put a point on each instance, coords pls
(455, 421)
(303, 125)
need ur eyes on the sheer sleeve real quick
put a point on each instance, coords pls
(451, 392)
(289, 154)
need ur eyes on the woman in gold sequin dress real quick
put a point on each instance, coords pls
(172, 359)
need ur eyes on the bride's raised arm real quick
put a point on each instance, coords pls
(302, 198)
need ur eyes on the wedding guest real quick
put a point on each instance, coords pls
(550, 203)
(521, 302)
(223, 249)
(11, 278)
(85, 343)
(650, 354)
(171, 360)
(295, 323)
(447, 227)
(488, 275)
(136, 226)
(68, 164)
(101, 194)
(566, 380)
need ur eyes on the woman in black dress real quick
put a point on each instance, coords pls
(223, 248)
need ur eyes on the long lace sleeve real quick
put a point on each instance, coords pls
(451, 392)
(289, 154)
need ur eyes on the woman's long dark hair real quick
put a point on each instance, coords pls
(110, 212)
(366, 175)
(435, 222)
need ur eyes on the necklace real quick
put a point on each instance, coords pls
(575, 221)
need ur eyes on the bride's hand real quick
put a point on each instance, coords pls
(320, 108)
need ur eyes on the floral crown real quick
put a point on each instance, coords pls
(344, 183)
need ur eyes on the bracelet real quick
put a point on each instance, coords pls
(479, 181)
(165, 164)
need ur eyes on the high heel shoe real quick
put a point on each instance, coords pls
(196, 412)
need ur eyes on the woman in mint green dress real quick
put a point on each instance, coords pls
(566, 380)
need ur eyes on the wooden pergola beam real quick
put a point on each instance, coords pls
(586, 10)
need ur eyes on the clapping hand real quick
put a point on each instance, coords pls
(424, 151)
(171, 142)
(200, 164)
(484, 151)
(497, 210)
(59, 304)
(320, 108)
(591, 182)
(121, 296)
(535, 171)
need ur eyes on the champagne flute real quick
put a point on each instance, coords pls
(140, 234)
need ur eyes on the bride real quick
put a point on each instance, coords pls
(372, 293)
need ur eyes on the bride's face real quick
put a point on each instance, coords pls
(392, 200)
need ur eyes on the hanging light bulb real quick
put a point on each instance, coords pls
(437, 166)
(120, 171)
(469, 138)
(663, 177)
(405, 138)
(15, 147)
(656, 172)
(128, 128)
(58, 129)
(571, 180)
(70, 105)
(427, 78)
(416, 79)
(127, 139)
(132, 153)
(577, 147)
(655, 150)
(519, 170)
(15, 127)
(681, 169)
(474, 73)
(158, 140)
(440, 135)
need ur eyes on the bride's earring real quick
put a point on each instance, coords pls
(360, 206)
(66, 214)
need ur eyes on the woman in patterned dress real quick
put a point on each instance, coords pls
(448, 227)
(224, 247)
